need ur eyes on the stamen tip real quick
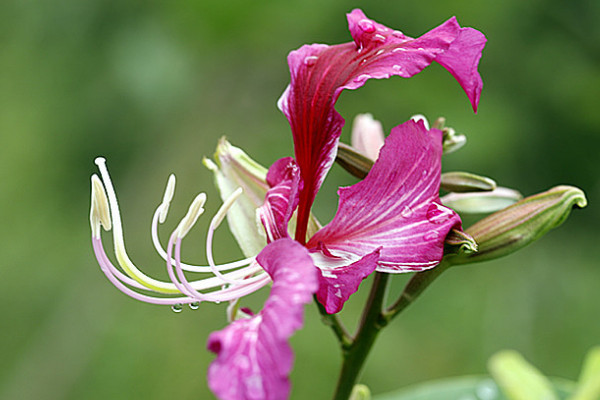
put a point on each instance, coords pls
(167, 197)
(99, 212)
(196, 209)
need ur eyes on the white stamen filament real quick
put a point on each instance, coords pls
(214, 224)
(247, 278)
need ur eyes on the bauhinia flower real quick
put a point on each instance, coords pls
(392, 221)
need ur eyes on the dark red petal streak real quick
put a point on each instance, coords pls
(319, 73)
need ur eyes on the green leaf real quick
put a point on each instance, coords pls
(465, 388)
(519, 379)
(588, 387)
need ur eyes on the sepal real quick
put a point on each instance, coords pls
(234, 169)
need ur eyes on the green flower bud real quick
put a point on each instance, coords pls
(522, 223)
(353, 161)
(481, 202)
(460, 182)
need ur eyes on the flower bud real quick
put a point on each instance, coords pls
(367, 135)
(522, 223)
(460, 182)
(481, 202)
(353, 161)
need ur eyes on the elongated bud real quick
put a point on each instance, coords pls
(460, 182)
(522, 223)
(353, 161)
(481, 202)
(367, 135)
(518, 379)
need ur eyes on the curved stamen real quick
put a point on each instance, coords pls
(160, 216)
(214, 224)
(105, 266)
(119, 243)
(105, 212)
(245, 286)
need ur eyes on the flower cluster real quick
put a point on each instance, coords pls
(392, 221)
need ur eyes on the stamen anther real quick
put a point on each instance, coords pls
(196, 209)
(99, 211)
(166, 202)
(227, 204)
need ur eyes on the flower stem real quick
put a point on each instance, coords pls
(415, 286)
(336, 325)
(356, 353)
(373, 320)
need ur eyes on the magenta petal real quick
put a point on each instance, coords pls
(319, 73)
(396, 207)
(337, 284)
(254, 358)
(281, 199)
(462, 60)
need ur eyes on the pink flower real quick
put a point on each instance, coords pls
(392, 221)
(320, 72)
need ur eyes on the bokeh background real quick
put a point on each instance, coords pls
(152, 85)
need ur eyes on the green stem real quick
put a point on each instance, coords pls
(356, 353)
(336, 325)
(415, 286)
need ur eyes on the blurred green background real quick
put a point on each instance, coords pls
(152, 86)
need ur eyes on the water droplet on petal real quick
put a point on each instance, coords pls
(366, 25)
(380, 52)
(177, 308)
(437, 214)
(406, 212)
(424, 173)
(398, 34)
(379, 38)
(195, 305)
(397, 68)
(309, 61)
